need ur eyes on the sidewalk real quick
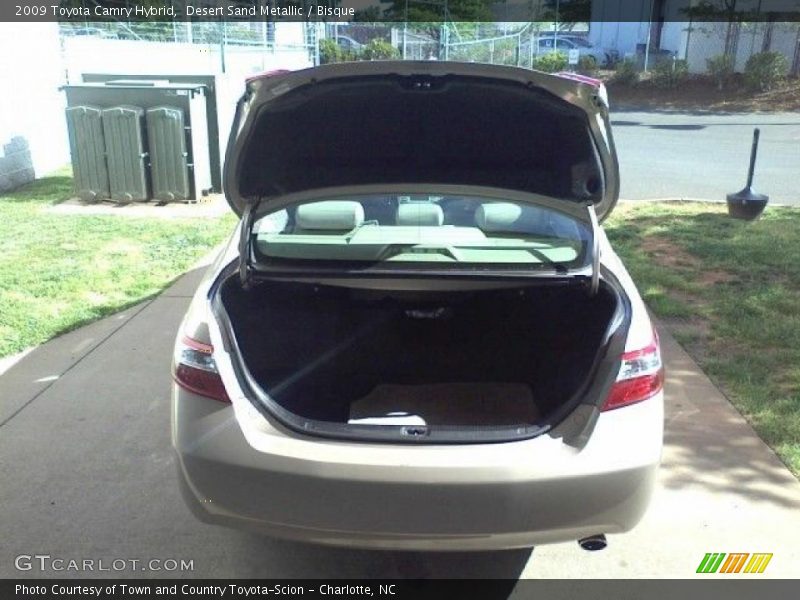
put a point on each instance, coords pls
(721, 489)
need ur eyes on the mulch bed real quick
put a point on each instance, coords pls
(700, 93)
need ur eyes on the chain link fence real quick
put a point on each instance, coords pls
(258, 45)
(514, 44)
(193, 47)
(513, 50)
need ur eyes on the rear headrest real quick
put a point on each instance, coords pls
(505, 217)
(498, 216)
(420, 213)
(339, 215)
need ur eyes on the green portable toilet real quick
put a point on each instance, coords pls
(87, 148)
(125, 153)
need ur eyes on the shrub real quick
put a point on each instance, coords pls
(764, 70)
(330, 52)
(627, 72)
(720, 68)
(378, 49)
(587, 65)
(670, 73)
(551, 62)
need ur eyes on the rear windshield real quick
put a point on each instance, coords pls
(454, 230)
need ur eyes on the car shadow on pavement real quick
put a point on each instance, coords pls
(284, 559)
(708, 445)
(729, 111)
(694, 127)
(738, 466)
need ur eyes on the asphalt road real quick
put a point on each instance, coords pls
(87, 472)
(706, 155)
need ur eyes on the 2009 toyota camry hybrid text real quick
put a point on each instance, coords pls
(418, 336)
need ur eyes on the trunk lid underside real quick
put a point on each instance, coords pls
(430, 123)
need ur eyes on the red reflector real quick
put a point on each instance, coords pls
(641, 376)
(201, 382)
(630, 391)
(195, 370)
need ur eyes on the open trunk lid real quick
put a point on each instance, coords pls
(433, 123)
(346, 132)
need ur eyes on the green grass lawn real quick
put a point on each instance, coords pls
(730, 293)
(728, 290)
(60, 271)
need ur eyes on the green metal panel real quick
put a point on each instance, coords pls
(87, 148)
(200, 164)
(166, 137)
(125, 153)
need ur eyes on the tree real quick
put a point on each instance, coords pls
(378, 49)
(730, 12)
(569, 12)
(428, 17)
(724, 10)
(438, 11)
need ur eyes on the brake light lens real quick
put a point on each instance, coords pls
(194, 369)
(641, 376)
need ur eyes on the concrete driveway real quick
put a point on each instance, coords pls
(87, 473)
(705, 155)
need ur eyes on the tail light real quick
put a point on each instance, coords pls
(641, 376)
(194, 369)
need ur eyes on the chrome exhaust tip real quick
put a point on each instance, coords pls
(593, 542)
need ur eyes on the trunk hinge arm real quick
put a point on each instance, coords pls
(246, 245)
(594, 282)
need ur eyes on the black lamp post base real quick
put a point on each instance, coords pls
(746, 204)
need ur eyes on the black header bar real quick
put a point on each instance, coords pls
(428, 11)
(413, 589)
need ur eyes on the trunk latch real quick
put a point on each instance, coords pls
(415, 431)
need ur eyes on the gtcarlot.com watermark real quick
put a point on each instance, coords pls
(46, 562)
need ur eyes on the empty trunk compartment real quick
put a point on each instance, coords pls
(488, 358)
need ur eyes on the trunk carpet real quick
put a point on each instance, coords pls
(454, 404)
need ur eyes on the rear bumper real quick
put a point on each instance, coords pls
(236, 470)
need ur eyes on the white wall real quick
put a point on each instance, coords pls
(620, 35)
(624, 36)
(97, 55)
(290, 34)
(31, 106)
(673, 37)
